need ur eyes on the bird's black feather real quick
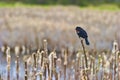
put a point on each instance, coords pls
(82, 33)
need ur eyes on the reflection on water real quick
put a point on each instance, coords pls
(3, 67)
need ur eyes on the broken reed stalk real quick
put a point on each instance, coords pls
(55, 72)
(35, 66)
(52, 67)
(17, 49)
(114, 51)
(8, 62)
(17, 67)
(45, 70)
(46, 57)
(48, 71)
(40, 76)
(118, 64)
(53, 59)
(115, 64)
(56, 75)
(42, 52)
(26, 73)
(65, 64)
(119, 67)
(45, 48)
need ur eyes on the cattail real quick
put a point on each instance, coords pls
(38, 56)
(17, 49)
(55, 72)
(28, 60)
(114, 51)
(8, 62)
(23, 50)
(41, 57)
(3, 49)
(59, 65)
(65, 64)
(45, 48)
(41, 76)
(45, 71)
(51, 64)
(115, 47)
(59, 76)
(35, 66)
(56, 75)
(119, 68)
(26, 73)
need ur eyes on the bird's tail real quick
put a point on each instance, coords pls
(86, 41)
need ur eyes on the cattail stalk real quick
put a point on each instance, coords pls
(49, 78)
(41, 76)
(45, 48)
(17, 67)
(35, 66)
(119, 68)
(17, 49)
(114, 51)
(56, 75)
(84, 53)
(45, 71)
(8, 62)
(26, 73)
(52, 67)
(42, 52)
(55, 72)
(65, 64)
(86, 63)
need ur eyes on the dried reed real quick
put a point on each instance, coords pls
(8, 62)
(65, 63)
(17, 51)
(26, 72)
(35, 66)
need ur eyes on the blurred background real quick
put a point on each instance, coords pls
(28, 22)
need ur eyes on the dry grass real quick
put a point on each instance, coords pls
(62, 66)
(32, 25)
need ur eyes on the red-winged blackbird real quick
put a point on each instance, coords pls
(83, 34)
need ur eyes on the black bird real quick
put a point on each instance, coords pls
(83, 34)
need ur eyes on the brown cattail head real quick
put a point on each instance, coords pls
(8, 56)
(65, 58)
(17, 50)
(115, 47)
(45, 47)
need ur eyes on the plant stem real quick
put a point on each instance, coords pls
(84, 54)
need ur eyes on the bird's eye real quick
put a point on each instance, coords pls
(77, 31)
